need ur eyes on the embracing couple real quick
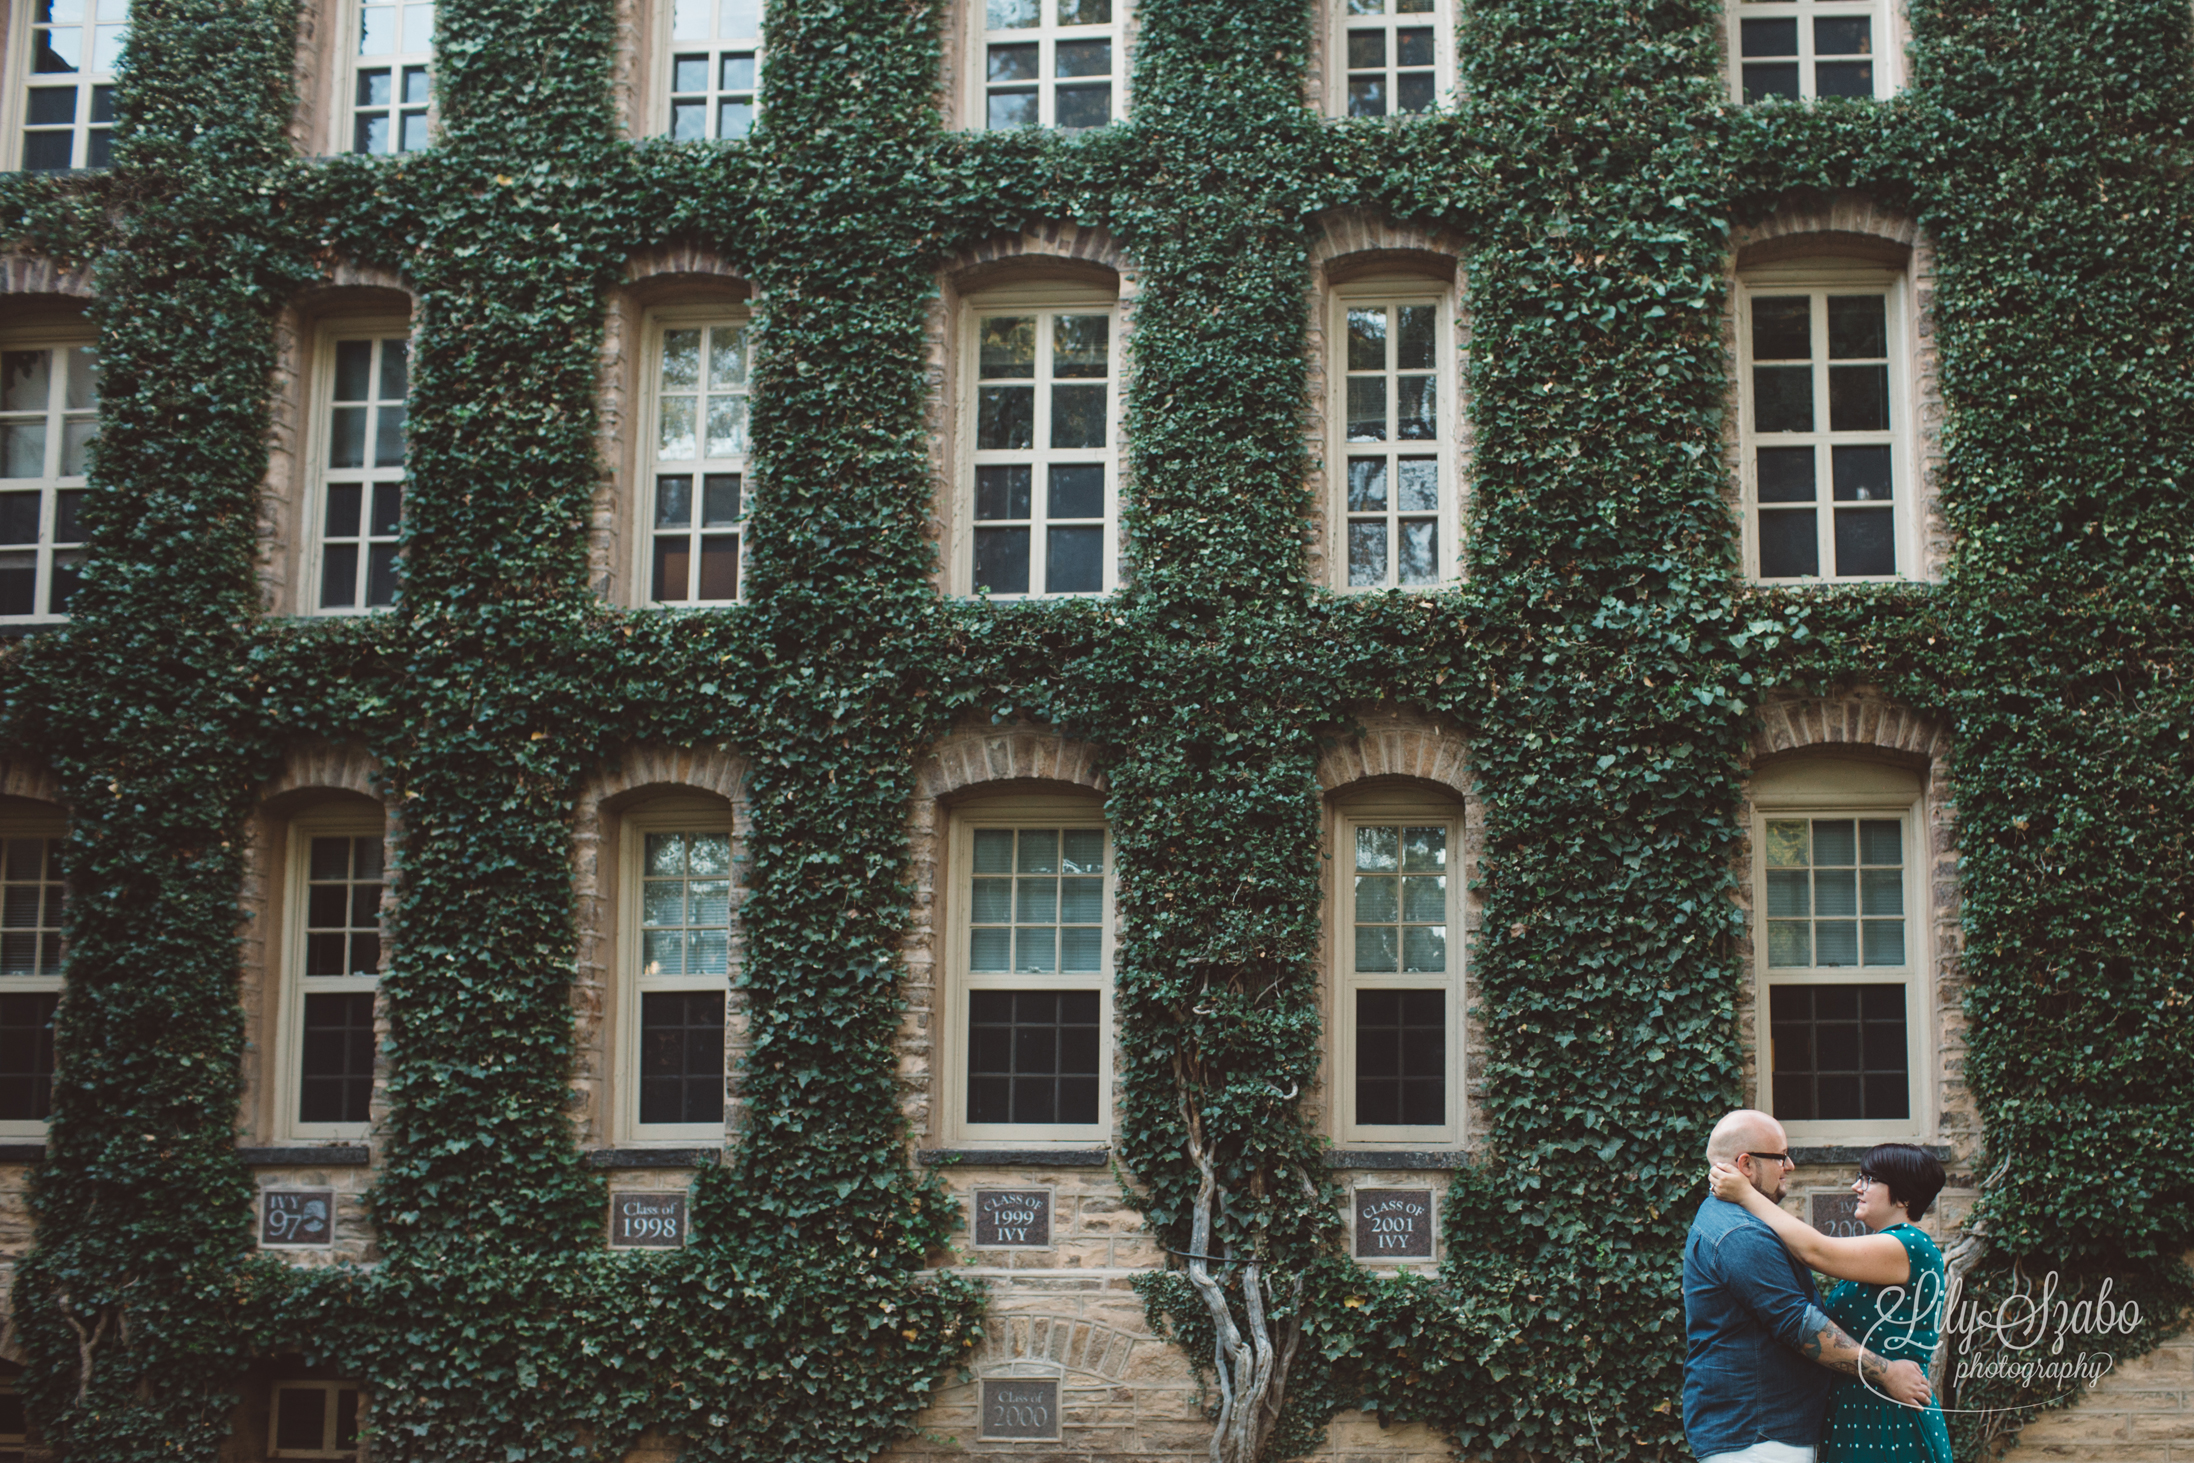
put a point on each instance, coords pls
(1772, 1373)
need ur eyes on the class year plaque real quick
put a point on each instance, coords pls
(1012, 1219)
(296, 1219)
(1835, 1213)
(641, 1220)
(1020, 1407)
(1392, 1224)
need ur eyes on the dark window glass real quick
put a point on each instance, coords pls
(1858, 327)
(1782, 328)
(1004, 492)
(336, 1082)
(1074, 560)
(1786, 475)
(1770, 79)
(46, 152)
(1842, 35)
(1858, 399)
(1413, 92)
(1077, 491)
(1782, 398)
(1005, 418)
(1789, 545)
(1843, 79)
(1767, 37)
(682, 1057)
(52, 106)
(1001, 560)
(1083, 106)
(301, 1418)
(1032, 1056)
(1861, 474)
(1401, 1058)
(1866, 541)
(19, 518)
(26, 1056)
(1839, 1052)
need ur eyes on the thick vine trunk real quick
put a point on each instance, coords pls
(1252, 1368)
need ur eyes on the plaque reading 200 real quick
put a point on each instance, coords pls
(641, 1221)
(1014, 1408)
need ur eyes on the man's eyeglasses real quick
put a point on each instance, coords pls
(1782, 1158)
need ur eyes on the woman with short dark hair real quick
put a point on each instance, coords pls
(1890, 1300)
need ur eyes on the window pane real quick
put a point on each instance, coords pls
(1001, 560)
(300, 1418)
(1078, 417)
(1005, 418)
(1782, 398)
(1420, 484)
(682, 1057)
(1860, 474)
(1085, 12)
(336, 1081)
(1418, 559)
(1002, 492)
(1858, 399)
(1839, 1052)
(1786, 474)
(1772, 79)
(1367, 340)
(1077, 491)
(1011, 109)
(1866, 541)
(1082, 58)
(1081, 345)
(1844, 79)
(1366, 484)
(1767, 37)
(1367, 408)
(1074, 561)
(1401, 1058)
(1013, 63)
(1012, 14)
(1789, 545)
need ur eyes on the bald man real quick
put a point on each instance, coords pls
(1762, 1354)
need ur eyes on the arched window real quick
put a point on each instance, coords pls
(1039, 433)
(1840, 948)
(361, 372)
(32, 900)
(1028, 991)
(676, 947)
(49, 412)
(1397, 958)
(1395, 415)
(695, 485)
(333, 872)
(1825, 386)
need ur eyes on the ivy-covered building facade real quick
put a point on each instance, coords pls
(1069, 726)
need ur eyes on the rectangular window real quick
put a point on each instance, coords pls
(1840, 964)
(1398, 994)
(69, 57)
(1049, 63)
(715, 69)
(316, 1420)
(1822, 373)
(1399, 518)
(1808, 48)
(1032, 961)
(335, 942)
(33, 904)
(49, 412)
(697, 480)
(679, 888)
(390, 89)
(15, 1433)
(357, 517)
(1044, 456)
(1398, 55)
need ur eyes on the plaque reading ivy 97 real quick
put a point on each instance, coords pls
(1018, 1407)
(1393, 1224)
(292, 1219)
(647, 1221)
(1012, 1219)
(1835, 1212)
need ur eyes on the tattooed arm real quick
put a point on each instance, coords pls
(1828, 1344)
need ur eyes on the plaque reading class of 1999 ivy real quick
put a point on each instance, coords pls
(292, 1219)
(1393, 1224)
(1012, 1219)
(641, 1220)
(1020, 1407)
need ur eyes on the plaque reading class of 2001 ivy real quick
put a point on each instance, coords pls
(1393, 1224)
(1018, 1407)
(647, 1221)
(1012, 1218)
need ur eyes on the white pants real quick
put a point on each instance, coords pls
(1765, 1451)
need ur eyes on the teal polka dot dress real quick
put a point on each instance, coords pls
(1864, 1426)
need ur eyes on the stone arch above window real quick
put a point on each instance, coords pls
(1397, 743)
(971, 759)
(1856, 720)
(34, 274)
(1352, 243)
(1845, 223)
(1049, 251)
(343, 767)
(642, 771)
(22, 778)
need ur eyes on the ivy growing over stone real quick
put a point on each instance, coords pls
(1603, 658)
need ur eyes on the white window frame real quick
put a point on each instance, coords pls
(32, 825)
(1373, 809)
(328, 1420)
(1045, 35)
(1888, 54)
(51, 482)
(653, 466)
(1849, 788)
(955, 900)
(343, 136)
(1818, 279)
(1444, 445)
(694, 26)
(1045, 301)
(15, 95)
(344, 822)
(318, 475)
(1340, 21)
(671, 813)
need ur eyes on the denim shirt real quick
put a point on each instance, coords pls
(1747, 1307)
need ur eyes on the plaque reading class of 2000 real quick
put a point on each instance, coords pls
(1018, 1408)
(296, 1218)
(1835, 1213)
(1393, 1224)
(1012, 1218)
(647, 1221)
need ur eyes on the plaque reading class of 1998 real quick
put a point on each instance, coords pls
(1012, 1218)
(1835, 1213)
(647, 1221)
(1393, 1224)
(1016, 1407)
(296, 1218)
